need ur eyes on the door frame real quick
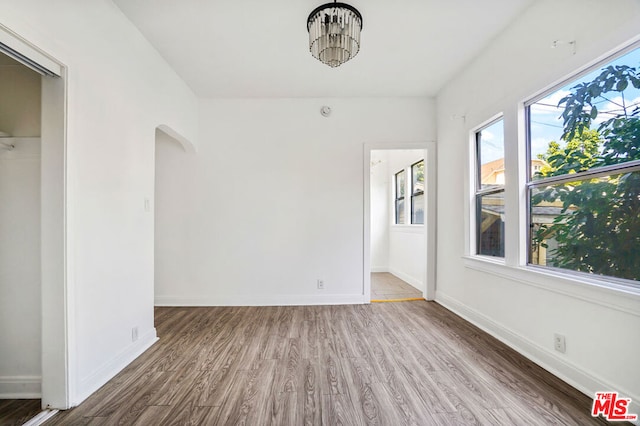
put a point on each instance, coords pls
(430, 236)
(56, 297)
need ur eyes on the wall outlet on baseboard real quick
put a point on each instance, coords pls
(134, 334)
(559, 343)
(320, 284)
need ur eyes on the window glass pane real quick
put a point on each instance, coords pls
(591, 225)
(417, 209)
(417, 175)
(591, 122)
(400, 192)
(400, 212)
(490, 224)
(400, 184)
(490, 152)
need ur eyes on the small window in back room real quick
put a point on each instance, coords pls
(417, 193)
(400, 193)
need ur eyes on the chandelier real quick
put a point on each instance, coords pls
(334, 33)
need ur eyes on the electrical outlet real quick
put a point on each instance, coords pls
(134, 334)
(320, 284)
(559, 343)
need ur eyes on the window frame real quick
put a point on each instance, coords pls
(615, 169)
(530, 184)
(397, 198)
(479, 192)
(416, 194)
(617, 293)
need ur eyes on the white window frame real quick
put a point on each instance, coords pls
(598, 290)
(528, 183)
(476, 191)
(396, 198)
(413, 193)
(408, 195)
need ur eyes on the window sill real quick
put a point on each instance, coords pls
(408, 228)
(599, 291)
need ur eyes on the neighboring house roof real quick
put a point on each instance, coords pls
(489, 171)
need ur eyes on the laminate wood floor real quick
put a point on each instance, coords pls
(15, 412)
(386, 286)
(412, 363)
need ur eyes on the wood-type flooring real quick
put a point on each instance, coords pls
(410, 363)
(385, 286)
(15, 412)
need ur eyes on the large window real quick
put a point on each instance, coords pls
(584, 178)
(400, 179)
(417, 193)
(489, 190)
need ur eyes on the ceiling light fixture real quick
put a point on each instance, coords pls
(334, 33)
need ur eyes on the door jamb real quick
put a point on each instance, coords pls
(56, 326)
(430, 234)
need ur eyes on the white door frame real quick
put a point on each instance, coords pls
(429, 273)
(55, 295)
(57, 308)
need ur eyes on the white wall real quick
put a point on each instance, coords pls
(381, 213)
(20, 369)
(119, 91)
(274, 199)
(520, 307)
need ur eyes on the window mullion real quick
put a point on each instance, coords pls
(511, 196)
(410, 196)
(628, 167)
(489, 191)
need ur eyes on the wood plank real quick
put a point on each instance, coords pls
(250, 400)
(311, 394)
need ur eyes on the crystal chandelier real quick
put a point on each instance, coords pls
(334, 33)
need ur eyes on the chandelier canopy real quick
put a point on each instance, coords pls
(334, 33)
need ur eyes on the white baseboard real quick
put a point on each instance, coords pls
(20, 387)
(379, 269)
(108, 370)
(585, 381)
(285, 300)
(414, 282)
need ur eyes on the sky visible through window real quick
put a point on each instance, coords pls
(546, 120)
(492, 142)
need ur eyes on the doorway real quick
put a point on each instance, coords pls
(33, 262)
(399, 216)
(174, 157)
(20, 284)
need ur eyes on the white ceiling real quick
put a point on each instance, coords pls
(257, 48)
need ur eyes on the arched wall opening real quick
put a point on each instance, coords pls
(172, 210)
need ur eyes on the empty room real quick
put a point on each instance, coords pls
(286, 213)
